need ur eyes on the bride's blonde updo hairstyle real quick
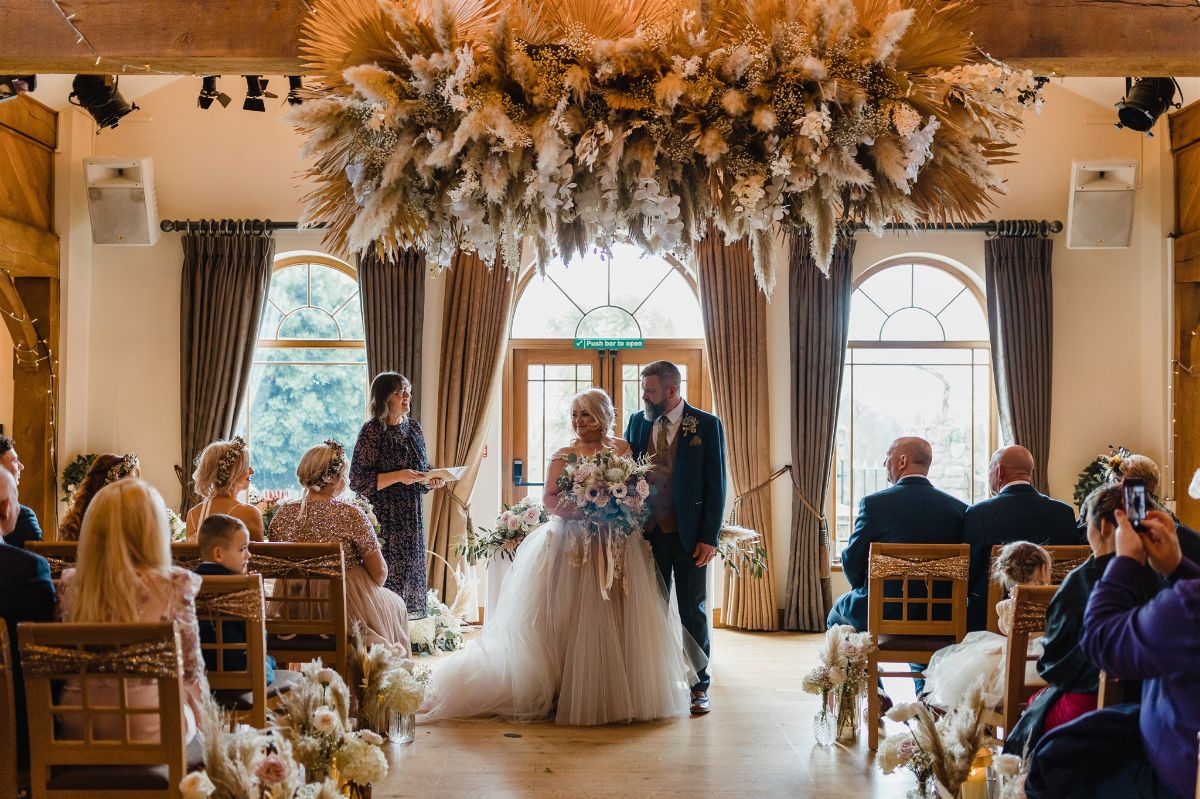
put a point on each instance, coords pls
(220, 467)
(597, 403)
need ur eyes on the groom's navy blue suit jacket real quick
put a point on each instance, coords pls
(699, 480)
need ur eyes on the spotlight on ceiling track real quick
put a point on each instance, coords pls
(256, 92)
(100, 97)
(295, 86)
(12, 85)
(1145, 100)
(208, 93)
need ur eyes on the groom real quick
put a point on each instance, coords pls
(686, 450)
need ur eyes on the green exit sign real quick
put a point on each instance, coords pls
(609, 343)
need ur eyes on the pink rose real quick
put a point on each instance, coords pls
(643, 489)
(851, 651)
(532, 516)
(513, 523)
(906, 749)
(272, 770)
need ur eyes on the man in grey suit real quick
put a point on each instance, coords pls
(1016, 512)
(912, 511)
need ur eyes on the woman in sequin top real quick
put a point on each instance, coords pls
(319, 518)
(388, 469)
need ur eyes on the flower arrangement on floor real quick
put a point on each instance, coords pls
(469, 126)
(610, 490)
(73, 475)
(439, 631)
(513, 524)
(1100, 470)
(941, 752)
(839, 679)
(391, 685)
(740, 550)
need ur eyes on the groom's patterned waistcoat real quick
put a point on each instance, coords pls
(662, 499)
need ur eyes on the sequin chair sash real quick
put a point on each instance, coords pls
(1064, 559)
(59, 554)
(236, 665)
(924, 609)
(1030, 603)
(94, 655)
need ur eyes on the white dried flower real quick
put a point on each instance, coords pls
(904, 711)
(734, 103)
(905, 119)
(1007, 765)
(197, 785)
(326, 676)
(764, 118)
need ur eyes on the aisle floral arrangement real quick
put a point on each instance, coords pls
(839, 678)
(610, 490)
(439, 631)
(473, 125)
(514, 523)
(391, 685)
(741, 551)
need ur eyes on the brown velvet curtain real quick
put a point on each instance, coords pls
(735, 334)
(475, 325)
(1020, 302)
(225, 278)
(393, 305)
(819, 310)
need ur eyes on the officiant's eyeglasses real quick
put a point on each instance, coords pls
(403, 392)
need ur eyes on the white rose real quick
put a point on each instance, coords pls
(904, 711)
(370, 737)
(532, 516)
(513, 523)
(196, 785)
(1007, 765)
(325, 720)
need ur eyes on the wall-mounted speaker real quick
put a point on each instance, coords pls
(1100, 216)
(121, 200)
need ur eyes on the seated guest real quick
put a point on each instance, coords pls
(105, 470)
(1130, 751)
(1139, 467)
(124, 574)
(26, 594)
(222, 473)
(319, 517)
(1072, 678)
(1016, 512)
(954, 670)
(27, 528)
(912, 511)
(225, 550)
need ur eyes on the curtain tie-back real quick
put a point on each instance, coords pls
(466, 508)
(956, 567)
(245, 604)
(151, 659)
(737, 501)
(325, 565)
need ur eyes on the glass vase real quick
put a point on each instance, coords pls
(356, 791)
(402, 728)
(844, 708)
(823, 727)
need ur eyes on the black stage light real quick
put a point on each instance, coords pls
(12, 85)
(99, 96)
(295, 86)
(256, 91)
(208, 93)
(1144, 102)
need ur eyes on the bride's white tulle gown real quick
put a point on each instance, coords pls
(556, 648)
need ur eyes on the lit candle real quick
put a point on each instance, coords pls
(976, 785)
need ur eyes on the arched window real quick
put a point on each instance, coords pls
(917, 363)
(309, 378)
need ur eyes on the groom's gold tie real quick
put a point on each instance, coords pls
(660, 443)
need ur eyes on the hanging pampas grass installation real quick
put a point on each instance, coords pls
(474, 124)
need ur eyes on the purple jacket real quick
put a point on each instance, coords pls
(1158, 642)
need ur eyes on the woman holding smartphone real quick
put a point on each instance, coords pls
(388, 468)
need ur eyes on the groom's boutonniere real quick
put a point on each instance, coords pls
(688, 426)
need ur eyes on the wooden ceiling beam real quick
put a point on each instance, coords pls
(1105, 38)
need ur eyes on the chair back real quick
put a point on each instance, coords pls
(1064, 559)
(941, 569)
(105, 666)
(185, 555)
(61, 555)
(1112, 691)
(236, 665)
(9, 781)
(306, 613)
(1029, 618)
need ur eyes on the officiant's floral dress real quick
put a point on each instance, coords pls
(386, 448)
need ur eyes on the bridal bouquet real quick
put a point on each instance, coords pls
(610, 490)
(839, 678)
(512, 525)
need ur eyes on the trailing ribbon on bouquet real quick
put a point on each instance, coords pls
(953, 568)
(608, 561)
(151, 659)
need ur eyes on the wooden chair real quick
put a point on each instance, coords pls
(1029, 617)
(909, 628)
(185, 555)
(1198, 770)
(1113, 691)
(1065, 559)
(306, 613)
(59, 554)
(237, 672)
(10, 780)
(100, 658)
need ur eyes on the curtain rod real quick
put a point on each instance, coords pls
(204, 225)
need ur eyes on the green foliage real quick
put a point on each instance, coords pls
(1099, 471)
(74, 473)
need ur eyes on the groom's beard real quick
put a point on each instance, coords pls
(654, 410)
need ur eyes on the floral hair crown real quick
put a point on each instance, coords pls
(122, 469)
(336, 464)
(232, 455)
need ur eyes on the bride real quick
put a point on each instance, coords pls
(556, 647)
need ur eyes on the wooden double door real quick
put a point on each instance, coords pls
(542, 376)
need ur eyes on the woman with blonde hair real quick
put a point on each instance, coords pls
(123, 574)
(105, 470)
(223, 472)
(319, 517)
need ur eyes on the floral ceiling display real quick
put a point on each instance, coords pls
(476, 125)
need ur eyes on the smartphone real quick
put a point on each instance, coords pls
(1134, 492)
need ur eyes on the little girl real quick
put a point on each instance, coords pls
(954, 671)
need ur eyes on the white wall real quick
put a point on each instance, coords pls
(121, 348)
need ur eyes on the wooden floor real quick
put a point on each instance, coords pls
(757, 742)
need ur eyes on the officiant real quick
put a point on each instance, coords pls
(388, 468)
